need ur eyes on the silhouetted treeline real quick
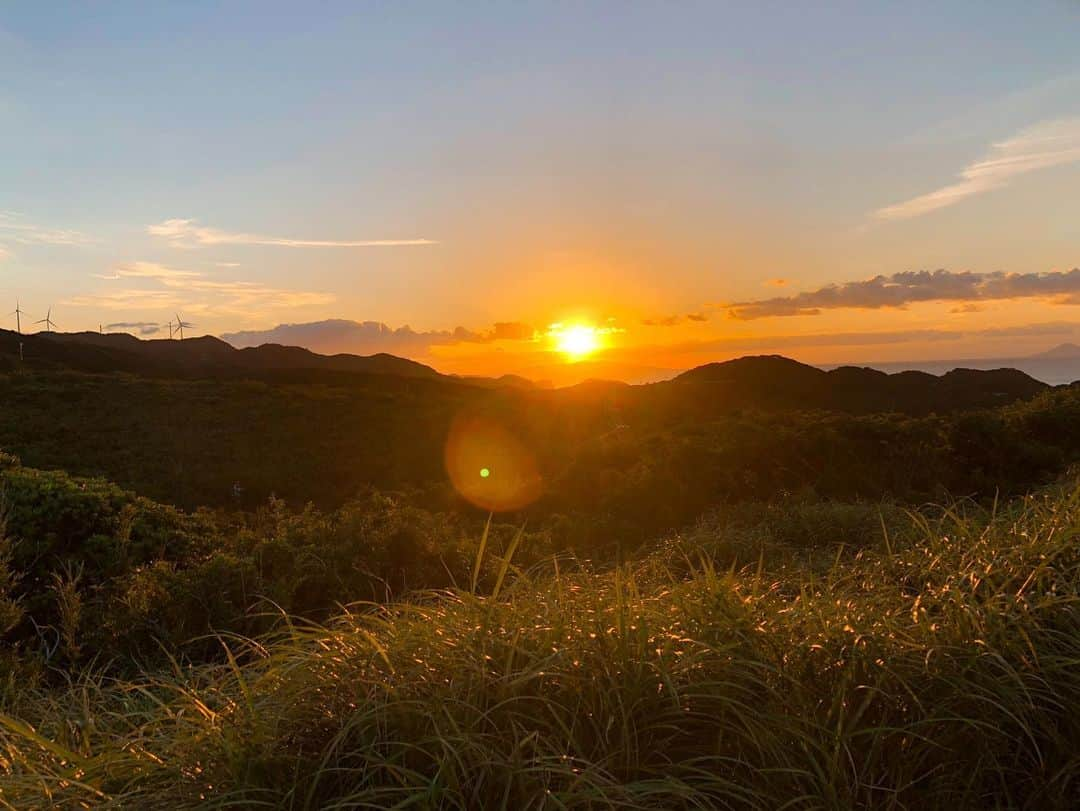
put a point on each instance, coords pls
(618, 462)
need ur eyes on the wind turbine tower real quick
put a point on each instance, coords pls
(47, 321)
(180, 324)
(18, 317)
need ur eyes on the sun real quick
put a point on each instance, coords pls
(576, 341)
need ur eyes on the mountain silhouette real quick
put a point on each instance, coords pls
(192, 357)
(773, 381)
(770, 382)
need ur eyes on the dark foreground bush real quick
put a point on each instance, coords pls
(91, 571)
(935, 669)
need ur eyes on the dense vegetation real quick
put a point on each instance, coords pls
(932, 664)
(619, 461)
(705, 608)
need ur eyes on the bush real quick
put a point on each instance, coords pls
(939, 672)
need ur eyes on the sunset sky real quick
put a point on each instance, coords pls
(689, 182)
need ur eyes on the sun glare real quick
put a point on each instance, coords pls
(576, 341)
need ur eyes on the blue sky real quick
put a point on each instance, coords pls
(601, 160)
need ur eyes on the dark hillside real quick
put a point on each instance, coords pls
(204, 356)
(186, 421)
(767, 382)
(638, 456)
(776, 382)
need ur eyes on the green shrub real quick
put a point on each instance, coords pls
(940, 670)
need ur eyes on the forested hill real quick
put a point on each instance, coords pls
(651, 455)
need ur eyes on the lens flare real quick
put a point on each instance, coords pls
(489, 465)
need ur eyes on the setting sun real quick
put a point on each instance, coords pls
(575, 341)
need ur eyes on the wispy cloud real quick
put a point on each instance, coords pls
(150, 270)
(191, 290)
(187, 233)
(4, 253)
(901, 289)
(1047, 144)
(16, 229)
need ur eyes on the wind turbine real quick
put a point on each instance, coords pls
(18, 316)
(180, 324)
(170, 329)
(47, 321)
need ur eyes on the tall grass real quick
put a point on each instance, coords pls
(937, 668)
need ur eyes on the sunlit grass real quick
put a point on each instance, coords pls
(933, 668)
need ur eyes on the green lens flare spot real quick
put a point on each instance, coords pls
(484, 473)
